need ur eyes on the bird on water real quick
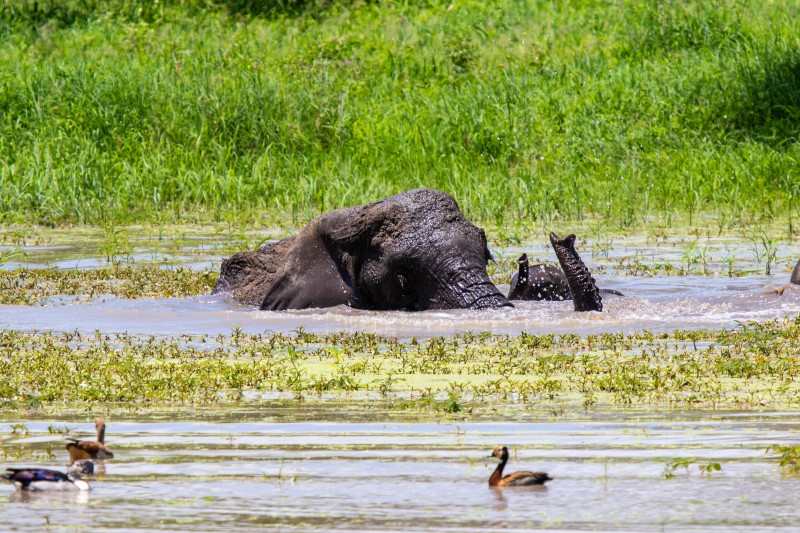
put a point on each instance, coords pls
(84, 449)
(515, 479)
(43, 479)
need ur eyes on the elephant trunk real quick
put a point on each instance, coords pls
(585, 295)
(490, 300)
(468, 288)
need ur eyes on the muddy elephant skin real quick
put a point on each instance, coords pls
(411, 251)
(585, 294)
(538, 282)
(542, 282)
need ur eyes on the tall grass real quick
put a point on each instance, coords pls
(132, 111)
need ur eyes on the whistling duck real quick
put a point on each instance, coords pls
(84, 449)
(515, 479)
(41, 479)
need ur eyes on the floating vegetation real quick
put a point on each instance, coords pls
(705, 469)
(788, 458)
(33, 286)
(752, 367)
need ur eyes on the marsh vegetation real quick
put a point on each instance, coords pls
(200, 110)
(752, 367)
(142, 142)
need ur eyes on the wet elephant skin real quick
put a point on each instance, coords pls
(412, 251)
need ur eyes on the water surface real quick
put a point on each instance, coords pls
(302, 466)
(257, 472)
(657, 302)
(662, 303)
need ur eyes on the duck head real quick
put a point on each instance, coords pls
(500, 452)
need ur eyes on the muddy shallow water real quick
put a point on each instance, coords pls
(376, 475)
(658, 303)
(337, 470)
(661, 303)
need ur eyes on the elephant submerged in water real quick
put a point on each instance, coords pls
(411, 251)
(793, 280)
(544, 282)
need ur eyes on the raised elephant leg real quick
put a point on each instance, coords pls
(519, 284)
(585, 295)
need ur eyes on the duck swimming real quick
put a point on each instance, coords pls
(515, 479)
(43, 479)
(84, 449)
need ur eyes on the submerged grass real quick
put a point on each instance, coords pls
(196, 109)
(34, 287)
(756, 366)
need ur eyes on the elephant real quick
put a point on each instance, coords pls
(795, 279)
(548, 283)
(542, 282)
(412, 251)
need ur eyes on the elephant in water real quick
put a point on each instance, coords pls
(412, 251)
(796, 274)
(544, 282)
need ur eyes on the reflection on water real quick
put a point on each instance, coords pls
(382, 475)
(657, 304)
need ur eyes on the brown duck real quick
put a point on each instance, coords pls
(84, 449)
(515, 479)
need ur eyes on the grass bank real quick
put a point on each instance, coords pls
(206, 110)
(752, 367)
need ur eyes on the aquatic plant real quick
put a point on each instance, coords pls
(754, 366)
(19, 429)
(705, 469)
(116, 245)
(8, 255)
(59, 430)
(33, 286)
(788, 457)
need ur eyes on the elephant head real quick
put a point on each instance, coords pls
(411, 251)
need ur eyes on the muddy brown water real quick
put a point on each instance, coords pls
(663, 303)
(657, 303)
(333, 471)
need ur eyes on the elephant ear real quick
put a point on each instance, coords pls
(362, 225)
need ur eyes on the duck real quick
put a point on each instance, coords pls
(84, 449)
(515, 479)
(44, 479)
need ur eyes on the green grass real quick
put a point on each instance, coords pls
(751, 367)
(191, 110)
